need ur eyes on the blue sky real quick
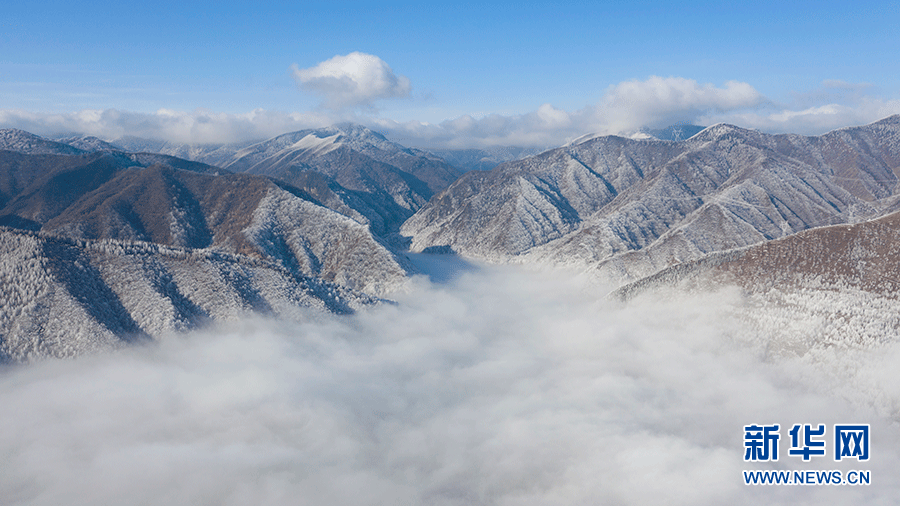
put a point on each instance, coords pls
(462, 73)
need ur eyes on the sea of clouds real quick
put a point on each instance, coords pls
(484, 385)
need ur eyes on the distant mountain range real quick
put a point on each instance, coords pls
(127, 239)
(358, 172)
(484, 158)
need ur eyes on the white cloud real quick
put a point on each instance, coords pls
(505, 387)
(622, 110)
(553, 117)
(353, 80)
(812, 120)
(659, 102)
(194, 127)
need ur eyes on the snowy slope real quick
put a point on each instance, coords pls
(636, 206)
(62, 297)
(89, 143)
(387, 181)
(20, 141)
(106, 196)
(106, 248)
(830, 286)
(370, 178)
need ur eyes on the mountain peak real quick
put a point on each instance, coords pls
(722, 130)
(637, 206)
(89, 143)
(677, 133)
(318, 142)
(13, 139)
(356, 130)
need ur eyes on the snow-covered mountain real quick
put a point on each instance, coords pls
(319, 146)
(62, 297)
(828, 286)
(317, 208)
(90, 143)
(118, 245)
(633, 207)
(369, 177)
(114, 196)
(673, 132)
(860, 256)
(20, 141)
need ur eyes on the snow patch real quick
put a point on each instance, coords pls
(318, 145)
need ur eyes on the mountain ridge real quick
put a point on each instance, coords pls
(128, 247)
(724, 187)
(371, 177)
(64, 297)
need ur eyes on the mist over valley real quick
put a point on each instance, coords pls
(329, 317)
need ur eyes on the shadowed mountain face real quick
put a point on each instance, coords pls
(384, 182)
(114, 248)
(636, 206)
(39, 187)
(303, 207)
(36, 188)
(111, 196)
(371, 178)
(862, 256)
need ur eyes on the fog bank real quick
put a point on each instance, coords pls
(495, 386)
